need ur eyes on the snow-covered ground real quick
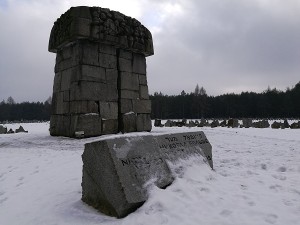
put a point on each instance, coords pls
(256, 181)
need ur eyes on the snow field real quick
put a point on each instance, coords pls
(256, 180)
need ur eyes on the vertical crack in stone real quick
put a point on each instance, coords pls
(120, 120)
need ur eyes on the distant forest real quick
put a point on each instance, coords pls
(271, 103)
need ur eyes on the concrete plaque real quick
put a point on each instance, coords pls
(116, 172)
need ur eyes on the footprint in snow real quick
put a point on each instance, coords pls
(271, 218)
(251, 203)
(3, 200)
(282, 169)
(279, 177)
(264, 166)
(226, 212)
(276, 187)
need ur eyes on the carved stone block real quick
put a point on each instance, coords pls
(143, 122)
(83, 107)
(141, 106)
(107, 61)
(129, 81)
(129, 122)
(89, 124)
(129, 94)
(139, 64)
(108, 110)
(110, 126)
(93, 91)
(125, 65)
(112, 76)
(144, 92)
(126, 105)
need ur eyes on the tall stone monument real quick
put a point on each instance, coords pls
(100, 85)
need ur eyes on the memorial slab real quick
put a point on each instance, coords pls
(116, 171)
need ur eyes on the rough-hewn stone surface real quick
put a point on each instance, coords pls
(101, 25)
(100, 70)
(115, 171)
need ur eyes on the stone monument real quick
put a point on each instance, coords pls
(100, 84)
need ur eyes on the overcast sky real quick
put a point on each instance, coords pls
(223, 45)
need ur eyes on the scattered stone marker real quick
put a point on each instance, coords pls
(157, 123)
(116, 171)
(261, 124)
(247, 123)
(100, 84)
(203, 123)
(3, 130)
(234, 123)
(10, 131)
(223, 123)
(191, 124)
(295, 125)
(286, 124)
(169, 123)
(21, 130)
(214, 124)
(276, 125)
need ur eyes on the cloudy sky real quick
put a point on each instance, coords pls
(223, 45)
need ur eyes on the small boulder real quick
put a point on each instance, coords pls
(286, 124)
(10, 131)
(3, 130)
(223, 123)
(214, 124)
(157, 123)
(276, 125)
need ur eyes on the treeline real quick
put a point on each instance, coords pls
(25, 111)
(271, 103)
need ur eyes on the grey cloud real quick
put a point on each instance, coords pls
(238, 44)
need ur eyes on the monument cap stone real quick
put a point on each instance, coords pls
(101, 25)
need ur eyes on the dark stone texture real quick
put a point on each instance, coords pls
(108, 110)
(157, 123)
(129, 81)
(110, 126)
(139, 64)
(144, 93)
(143, 122)
(86, 90)
(126, 106)
(3, 130)
(141, 106)
(90, 124)
(129, 121)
